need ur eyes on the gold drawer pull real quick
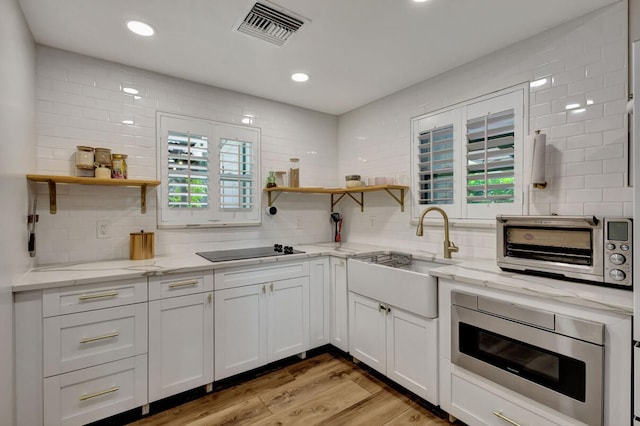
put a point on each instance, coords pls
(505, 418)
(104, 392)
(112, 293)
(105, 336)
(184, 284)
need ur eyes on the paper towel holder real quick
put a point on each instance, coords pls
(540, 162)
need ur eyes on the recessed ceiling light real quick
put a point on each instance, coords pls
(247, 120)
(127, 121)
(300, 77)
(140, 28)
(577, 111)
(572, 106)
(419, 1)
(589, 101)
(130, 90)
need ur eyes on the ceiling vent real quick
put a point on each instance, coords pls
(266, 23)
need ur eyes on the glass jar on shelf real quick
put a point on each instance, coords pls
(294, 172)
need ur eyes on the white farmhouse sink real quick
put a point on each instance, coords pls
(408, 287)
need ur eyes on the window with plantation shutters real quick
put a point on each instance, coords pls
(208, 173)
(435, 164)
(490, 158)
(188, 170)
(237, 189)
(468, 157)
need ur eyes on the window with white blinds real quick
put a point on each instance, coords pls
(435, 165)
(490, 158)
(468, 157)
(208, 173)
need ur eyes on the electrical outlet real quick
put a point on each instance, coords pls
(372, 221)
(103, 228)
(298, 222)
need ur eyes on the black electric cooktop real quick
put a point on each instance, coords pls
(248, 253)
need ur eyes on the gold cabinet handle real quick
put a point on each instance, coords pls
(271, 287)
(183, 284)
(112, 293)
(94, 395)
(501, 416)
(264, 289)
(209, 298)
(104, 336)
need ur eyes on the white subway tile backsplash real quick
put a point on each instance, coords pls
(586, 86)
(611, 122)
(590, 112)
(566, 130)
(604, 152)
(609, 93)
(584, 140)
(611, 180)
(584, 195)
(584, 169)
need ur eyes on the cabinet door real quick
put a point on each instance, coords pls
(240, 329)
(338, 304)
(288, 317)
(367, 331)
(319, 310)
(412, 353)
(180, 344)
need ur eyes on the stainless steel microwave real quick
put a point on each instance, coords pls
(581, 248)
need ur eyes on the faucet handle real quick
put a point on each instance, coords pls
(453, 247)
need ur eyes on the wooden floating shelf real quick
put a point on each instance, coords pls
(52, 180)
(338, 194)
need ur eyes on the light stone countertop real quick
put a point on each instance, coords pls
(70, 274)
(480, 272)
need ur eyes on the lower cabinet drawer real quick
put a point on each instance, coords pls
(477, 405)
(69, 300)
(94, 393)
(82, 340)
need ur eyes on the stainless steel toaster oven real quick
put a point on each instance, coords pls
(581, 248)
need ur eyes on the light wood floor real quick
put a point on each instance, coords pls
(323, 390)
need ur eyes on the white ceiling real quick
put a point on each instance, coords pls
(356, 51)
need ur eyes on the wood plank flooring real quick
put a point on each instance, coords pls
(323, 390)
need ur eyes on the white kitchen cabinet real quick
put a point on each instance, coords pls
(368, 335)
(482, 405)
(85, 339)
(180, 344)
(398, 344)
(180, 333)
(260, 323)
(319, 301)
(339, 304)
(83, 396)
(81, 352)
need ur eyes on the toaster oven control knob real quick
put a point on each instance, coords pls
(617, 259)
(624, 247)
(617, 274)
(611, 246)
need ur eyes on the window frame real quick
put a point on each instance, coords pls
(214, 215)
(516, 97)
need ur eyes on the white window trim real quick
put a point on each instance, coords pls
(211, 217)
(458, 211)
